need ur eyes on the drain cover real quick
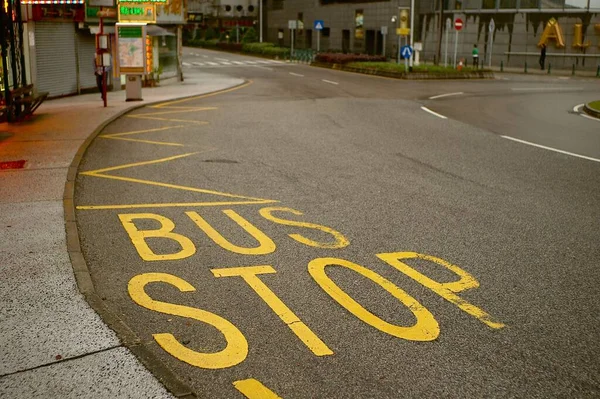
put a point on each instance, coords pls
(12, 164)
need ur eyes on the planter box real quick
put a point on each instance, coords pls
(409, 75)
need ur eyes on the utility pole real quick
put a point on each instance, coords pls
(260, 21)
(441, 29)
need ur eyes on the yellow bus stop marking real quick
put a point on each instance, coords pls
(254, 389)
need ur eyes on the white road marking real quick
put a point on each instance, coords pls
(551, 149)
(564, 78)
(251, 62)
(330, 82)
(186, 64)
(577, 109)
(296, 74)
(198, 63)
(205, 56)
(211, 63)
(433, 113)
(264, 62)
(546, 88)
(446, 95)
(238, 62)
(589, 117)
(225, 63)
(221, 59)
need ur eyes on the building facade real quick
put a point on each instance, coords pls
(570, 28)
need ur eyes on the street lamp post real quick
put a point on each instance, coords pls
(412, 30)
(397, 22)
(260, 21)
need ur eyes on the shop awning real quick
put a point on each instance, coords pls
(154, 30)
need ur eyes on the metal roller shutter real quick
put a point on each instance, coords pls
(86, 50)
(55, 58)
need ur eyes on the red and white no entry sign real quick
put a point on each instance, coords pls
(458, 24)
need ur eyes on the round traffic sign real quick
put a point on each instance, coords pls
(458, 24)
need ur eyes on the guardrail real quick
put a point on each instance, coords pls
(552, 54)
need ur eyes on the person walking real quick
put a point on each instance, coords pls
(99, 72)
(543, 57)
(475, 54)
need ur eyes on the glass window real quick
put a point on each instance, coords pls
(594, 4)
(529, 4)
(488, 4)
(553, 4)
(508, 3)
(570, 4)
(471, 4)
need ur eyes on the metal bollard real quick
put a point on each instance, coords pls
(525, 66)
(502, 66)
(549, 68)
(573, 70)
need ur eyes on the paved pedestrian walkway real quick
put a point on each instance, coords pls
(52, 343)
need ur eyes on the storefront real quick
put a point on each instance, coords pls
(60, 49)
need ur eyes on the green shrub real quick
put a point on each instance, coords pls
(276, 52)
(211, 34)
(224, 36)
(256, 48)
(250, 36)
(210, 43)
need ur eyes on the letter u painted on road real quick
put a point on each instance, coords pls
(266, 245)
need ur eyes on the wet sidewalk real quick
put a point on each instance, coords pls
(52, 343)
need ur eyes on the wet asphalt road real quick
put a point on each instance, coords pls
(315, 175)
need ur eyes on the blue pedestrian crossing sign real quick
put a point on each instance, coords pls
(406, 51)
(319, 24)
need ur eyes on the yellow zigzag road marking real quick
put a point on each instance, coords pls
(168, 120)
(248, 83)
(118, 136)
(102, 173)
(187, 109)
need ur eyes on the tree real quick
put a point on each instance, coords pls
(250, 36)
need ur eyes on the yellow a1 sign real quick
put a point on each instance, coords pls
(403, 31)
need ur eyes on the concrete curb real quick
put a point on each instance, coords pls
(408, 76)
(591, 111)
(84, 279)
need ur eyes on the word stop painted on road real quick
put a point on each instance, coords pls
(426, 328)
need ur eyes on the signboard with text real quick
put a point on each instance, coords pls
(131, 48)
(136, 12)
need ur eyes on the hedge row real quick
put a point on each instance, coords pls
(266, 49)
(336, 58)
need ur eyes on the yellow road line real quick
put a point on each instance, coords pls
(254, 389)
(248, 83)
(132, 165)
(168, 120)
(188, 109)
(172, 205)
(143, 141)
(160, 129)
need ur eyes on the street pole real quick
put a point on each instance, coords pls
(103, 68)
(237, 32)
(318, 40)
(455, 46)
(412, 29)
(384, 44)
(446, 47)
(292, 48)
(260, 23)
